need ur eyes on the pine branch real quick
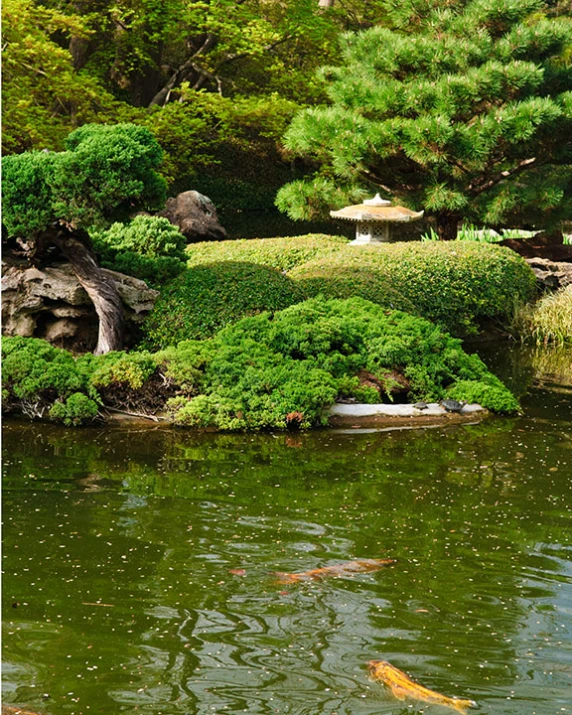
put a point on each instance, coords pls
(476, 188)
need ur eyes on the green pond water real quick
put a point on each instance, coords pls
(139, 564)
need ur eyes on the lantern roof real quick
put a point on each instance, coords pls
(377, 209)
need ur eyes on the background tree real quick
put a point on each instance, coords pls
(43, 96)
(462, 107)
(216, 82)
(50, 199)
(144, 52)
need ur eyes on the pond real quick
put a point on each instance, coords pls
(140, 564)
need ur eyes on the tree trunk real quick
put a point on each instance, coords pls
(74, 244)
(80, 46)
(447, 226)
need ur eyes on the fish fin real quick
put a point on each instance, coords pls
(399, 692)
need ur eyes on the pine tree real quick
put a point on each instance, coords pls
(50, 199)
(461, 107)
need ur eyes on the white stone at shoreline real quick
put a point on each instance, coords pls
(389, 410)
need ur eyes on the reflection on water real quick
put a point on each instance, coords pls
(139, 567)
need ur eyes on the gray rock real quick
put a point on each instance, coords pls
(196, 217)
(551, 274)
(51, 304)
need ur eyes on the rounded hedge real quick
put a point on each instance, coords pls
(283, 253)
(352, 281)
(455, 283)
(207, 297)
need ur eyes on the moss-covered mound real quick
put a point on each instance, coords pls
(207, 297)
(456, 284)
(269, 371)
(351, 281)
(280, 253)
(283, 370)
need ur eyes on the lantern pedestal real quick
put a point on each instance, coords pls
(370, 232)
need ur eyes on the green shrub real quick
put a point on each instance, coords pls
(205, 411)
(156, 272)
(268, 371)
(185, 364)
(126, 369)
(131, 381)
(283, 254)
(33, 369)
(283, 370)
(455, 283)
(35, 375)
(76, 410)
(350, 282)
(487, 394)
(208, 297)
(148, 247)
(150, 236)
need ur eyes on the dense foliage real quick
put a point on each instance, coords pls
(283, 370)
(147, 54)
(148, 247)
(463, 108)
(216, 83)
(280, 253)
(457, 284)
(272, 370)
(207, 297)
(105, 173)
(39, 379)
(44, 97)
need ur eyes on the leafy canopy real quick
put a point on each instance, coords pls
(148, 247)
(145, 52)
(107, 173)
(462, 107)
(44, 98)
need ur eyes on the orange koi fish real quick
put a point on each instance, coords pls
(337, 570)
(403, 687)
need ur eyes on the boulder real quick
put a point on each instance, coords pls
(50, 303)
(551, 275)
(196, 217)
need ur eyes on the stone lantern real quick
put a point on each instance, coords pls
(374, 219)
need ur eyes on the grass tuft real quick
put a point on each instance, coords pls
(549, 320)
